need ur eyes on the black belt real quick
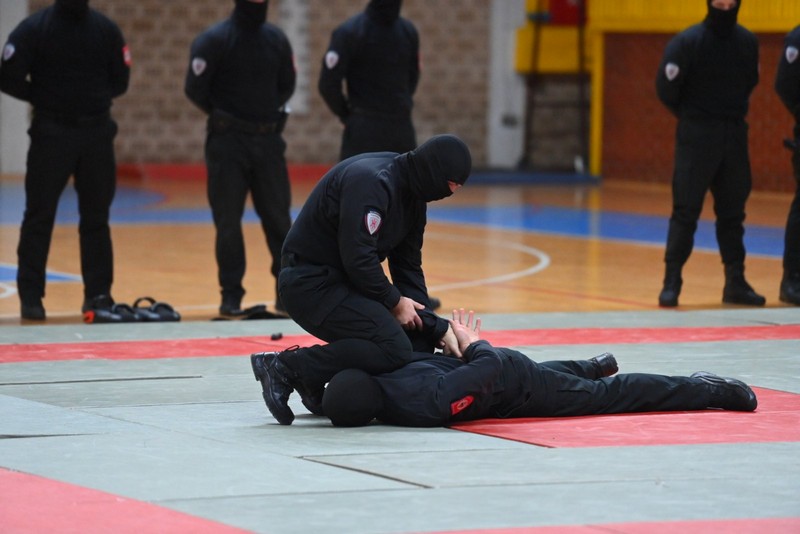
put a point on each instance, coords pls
(72, 120)
(222, 122)
(380, 114)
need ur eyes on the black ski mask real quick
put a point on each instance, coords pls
(722, 22)
(384, 11)
(440, 159)
(72, 8)
(250, 15)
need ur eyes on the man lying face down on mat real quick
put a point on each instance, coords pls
(489, 382)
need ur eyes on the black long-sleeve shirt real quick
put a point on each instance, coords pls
(705, 75)
(245, 72)
(358, 215)
(787, 81)
(441, 390)
(71, 66)
(379, 63)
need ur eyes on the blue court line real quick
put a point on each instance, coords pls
(136, 206)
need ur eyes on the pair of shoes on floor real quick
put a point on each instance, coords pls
(32, 309)
(103, 309)
(150, 310)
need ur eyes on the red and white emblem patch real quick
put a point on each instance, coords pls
(461, 404)
(126, 55)
(373, 222)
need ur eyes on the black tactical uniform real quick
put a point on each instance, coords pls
(504, 383)
(365, 210)
(376, 53)
(69, 62)
(705, 79)
(242, 74)
(787, 84)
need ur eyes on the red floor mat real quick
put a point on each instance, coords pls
(777, 419)
(35, 504)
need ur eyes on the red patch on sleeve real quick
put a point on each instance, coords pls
(461, 404)
(126, 55)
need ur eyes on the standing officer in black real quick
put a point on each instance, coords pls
(376, 54)
(69, 62)
(787, 84)
(503, 383)
(242, 74)
(366, 209)
(705, 79)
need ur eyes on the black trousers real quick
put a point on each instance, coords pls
(240, 163)
(57, 151)
(564, 388)
(709, 155)
(791, 250)
(360, 332)
(363, 133)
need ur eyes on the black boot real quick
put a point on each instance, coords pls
(737, 290)
(727, 393)
(605, 365)
(672, 286)
(790, 288)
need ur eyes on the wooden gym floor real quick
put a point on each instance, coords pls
(499, 245)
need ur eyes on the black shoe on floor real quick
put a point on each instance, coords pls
(98, 302)
(790, 288)
(728, 393)
(231, 306)
(32, 310)
(606, 364)
(275, 382)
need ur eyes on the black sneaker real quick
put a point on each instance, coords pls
(98, 302)
(728, 393)
(231, 306)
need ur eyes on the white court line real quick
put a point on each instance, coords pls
(544, 263)
(7, 291)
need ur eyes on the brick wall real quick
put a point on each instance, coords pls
(158, 124)
(638, 131)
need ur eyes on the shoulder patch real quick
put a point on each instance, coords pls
(8, 51)
(671, 71)
(126, 55)
(198, 66)
(331, 59)
(461, 404)
(373, 220)
(791, 54)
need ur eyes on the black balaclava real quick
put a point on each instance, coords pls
(250, 15)
(352, 398)
(722, 22)
(72, 8)
(431, 165)
(384, 11)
